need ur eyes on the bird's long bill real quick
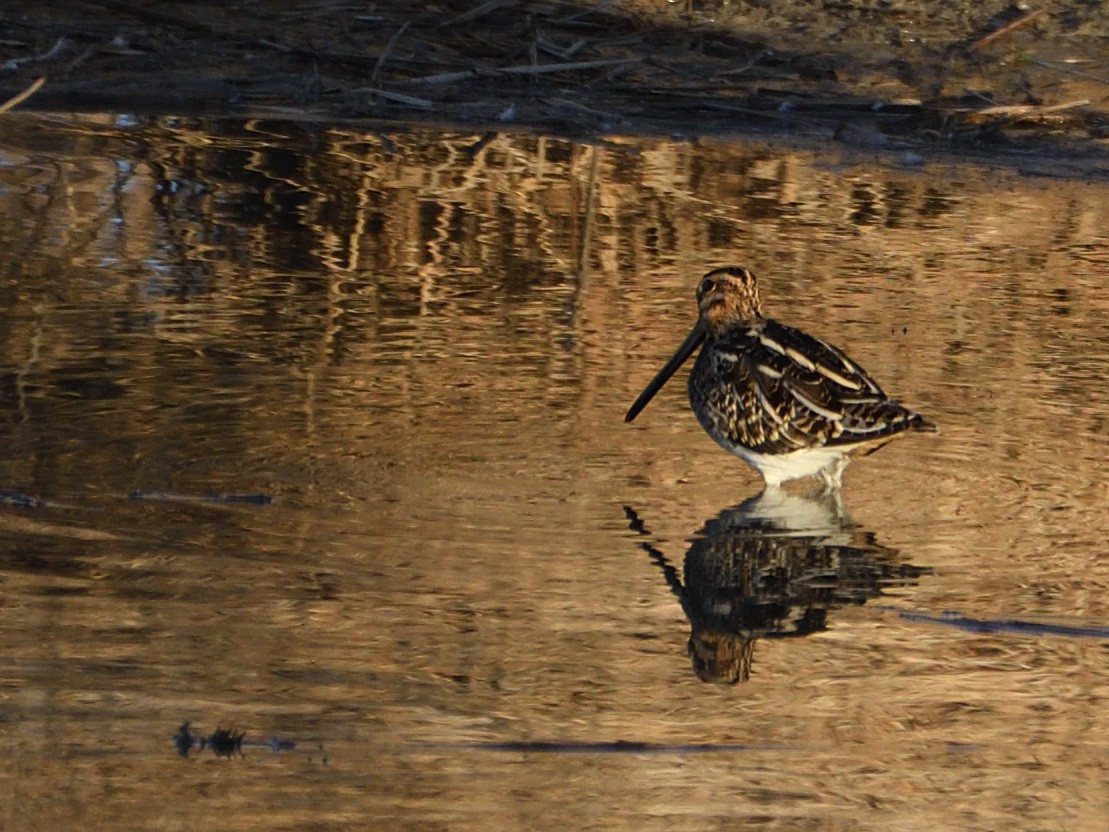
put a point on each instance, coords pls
(691, 342)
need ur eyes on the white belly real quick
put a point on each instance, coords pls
(777, 468)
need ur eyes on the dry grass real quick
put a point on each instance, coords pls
(995, 78)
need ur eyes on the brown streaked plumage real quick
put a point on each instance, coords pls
(787, 403)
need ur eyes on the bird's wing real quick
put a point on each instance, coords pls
(800, 392)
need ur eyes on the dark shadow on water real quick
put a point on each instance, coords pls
(774, 566)
(617, 747)
(168, 497)
(227, 742)
(952, 618)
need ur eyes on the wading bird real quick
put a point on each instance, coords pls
(785, 402)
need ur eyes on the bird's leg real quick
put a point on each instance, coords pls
(832, 473)
(772, 493)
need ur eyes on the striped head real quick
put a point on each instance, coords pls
(728, 296)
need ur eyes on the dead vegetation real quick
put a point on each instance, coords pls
(899, 74)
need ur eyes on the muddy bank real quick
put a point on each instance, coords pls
(910, 76)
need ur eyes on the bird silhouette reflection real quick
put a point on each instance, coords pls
(774, 566)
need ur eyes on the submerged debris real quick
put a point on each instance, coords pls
(168, 497)
(17, 500)
(224, 742)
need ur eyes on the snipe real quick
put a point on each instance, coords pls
(784, 401)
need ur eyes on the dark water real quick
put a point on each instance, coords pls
(315, 436)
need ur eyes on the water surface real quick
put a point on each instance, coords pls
(316, 435)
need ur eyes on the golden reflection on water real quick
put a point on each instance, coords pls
(421, 346)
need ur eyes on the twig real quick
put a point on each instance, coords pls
(524, 69)
(280, 47)
(1006, 30)
(387, 50)
(480, 11)
(16, 100)
(550, 48)
(59, 46)
(602, 6)
(1027, 110)
(398, 97)
(750, 64)
(581, 108)
(787, 118)
(446, 77)
(1075, 72)
(80, 59)
(543, 69)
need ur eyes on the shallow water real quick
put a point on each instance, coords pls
(317, 435)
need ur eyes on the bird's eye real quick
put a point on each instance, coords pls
(707, 285)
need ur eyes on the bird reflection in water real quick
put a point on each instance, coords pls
(772, 567)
